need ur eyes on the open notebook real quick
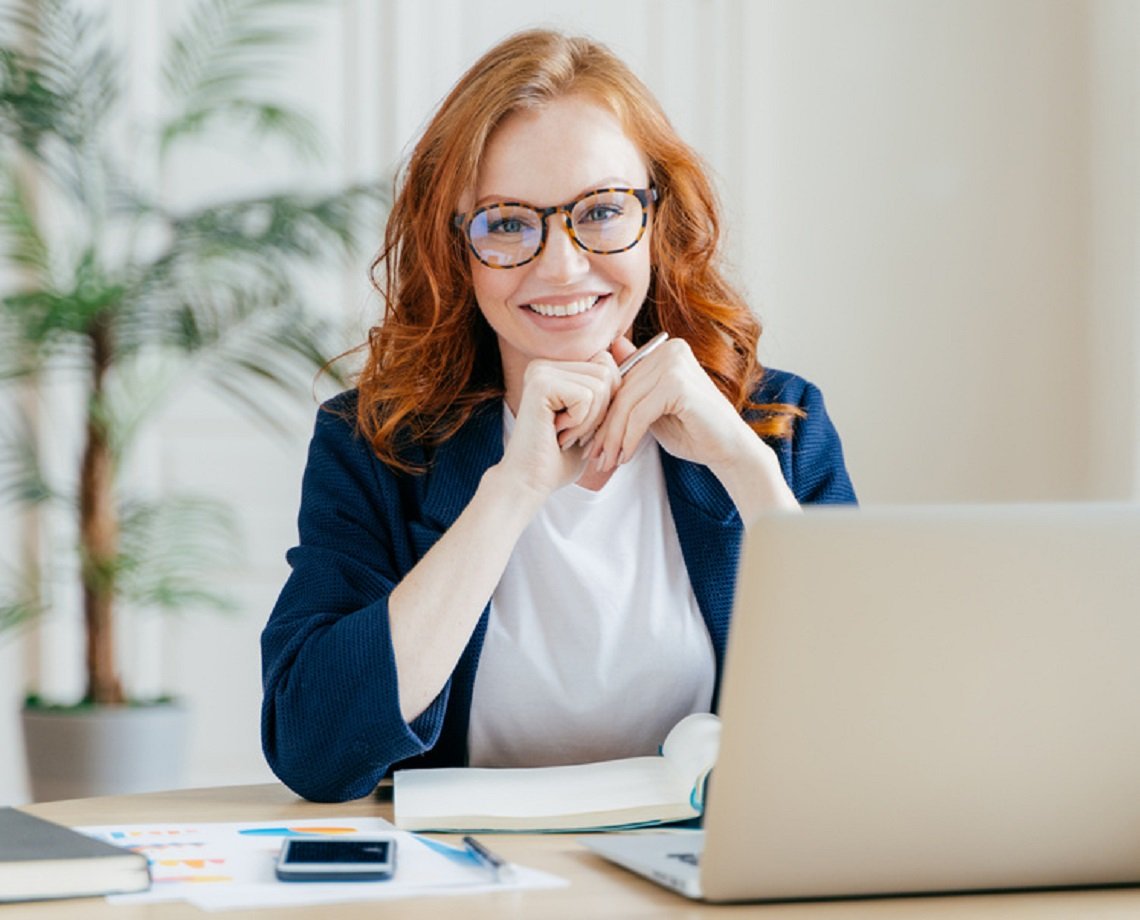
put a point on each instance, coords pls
(635, 791)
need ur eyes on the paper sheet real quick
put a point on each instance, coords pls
(228, 866)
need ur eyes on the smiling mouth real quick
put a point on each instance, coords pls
(565, 309)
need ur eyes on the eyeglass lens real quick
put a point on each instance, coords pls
(504, 235)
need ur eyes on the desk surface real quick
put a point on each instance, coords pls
(597, 890)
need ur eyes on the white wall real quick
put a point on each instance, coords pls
(932, 205)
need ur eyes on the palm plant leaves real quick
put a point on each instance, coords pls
(219, 303)
(137, 299)
(264, 235)
(44, 324)
(170, 550)
(19, 230)
(57, 94)
(219, 54)
(67, 80)
(215, 66)
(21, 608)
(224, 334)
(280, 225)
(22, 481)
(22, 478)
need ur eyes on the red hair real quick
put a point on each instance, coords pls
(434, 359)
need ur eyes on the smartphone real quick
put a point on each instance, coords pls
(336, 859)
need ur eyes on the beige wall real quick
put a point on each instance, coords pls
(922, 200)
(1112, 250)
(932, 205)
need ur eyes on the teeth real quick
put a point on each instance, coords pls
(564, 309)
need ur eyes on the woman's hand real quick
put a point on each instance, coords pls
(436, 605)
(669, 394)
(562, 404)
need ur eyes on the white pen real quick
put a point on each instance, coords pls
(500, 869)
(627, 365)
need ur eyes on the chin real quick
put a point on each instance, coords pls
(579, 349)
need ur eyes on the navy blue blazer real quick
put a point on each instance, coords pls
(331, 725)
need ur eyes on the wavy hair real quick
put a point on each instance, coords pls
(434, 359)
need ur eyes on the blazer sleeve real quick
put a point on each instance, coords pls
(812, 459)
(330, 720)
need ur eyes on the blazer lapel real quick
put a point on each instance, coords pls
(711, 533)
(459, 464)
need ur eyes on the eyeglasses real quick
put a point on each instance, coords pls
(508, 234)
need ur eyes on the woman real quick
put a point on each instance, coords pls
(510, 553)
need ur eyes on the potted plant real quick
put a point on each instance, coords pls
(128, 299)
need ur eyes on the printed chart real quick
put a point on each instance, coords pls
(219, 866)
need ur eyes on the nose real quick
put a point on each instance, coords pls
(561, 260)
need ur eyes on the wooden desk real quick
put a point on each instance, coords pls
(597, 890)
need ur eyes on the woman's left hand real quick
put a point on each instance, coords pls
(669, 394)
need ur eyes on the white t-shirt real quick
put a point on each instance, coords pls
(595, 646)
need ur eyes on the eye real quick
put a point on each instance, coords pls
(506, 225)
(598, 212)
(509, 220)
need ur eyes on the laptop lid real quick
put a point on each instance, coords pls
(920, 700)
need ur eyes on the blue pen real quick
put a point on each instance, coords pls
(500, 869)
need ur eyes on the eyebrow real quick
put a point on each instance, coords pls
(608, 182)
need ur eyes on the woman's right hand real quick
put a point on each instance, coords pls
(562, 404)
(436, 605)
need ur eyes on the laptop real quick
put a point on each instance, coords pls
(922, 700)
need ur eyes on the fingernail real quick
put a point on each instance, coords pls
(621, 457)
(601, 462)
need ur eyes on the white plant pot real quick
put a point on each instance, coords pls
(104, 750)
